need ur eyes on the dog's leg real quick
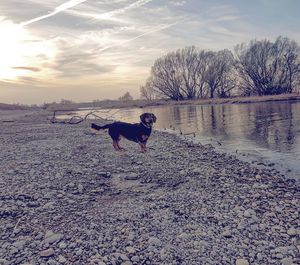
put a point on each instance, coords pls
(143, 147)
(120, 148)
(116, 145)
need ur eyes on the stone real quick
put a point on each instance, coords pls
(62, 259)
(122, 257)
(287, 261)
(154, 241)
(241, 262)
(104, 174)
(51, 238)
(126, 263)
(135, 259)
(249, 213)
(62, 245)
(47, 253)
(52, 262)
(130, 250)
(292, 232)
(19, 244)
(282, 250)
(3, 261)
(131, 176)
(227, 234)
(80, 188)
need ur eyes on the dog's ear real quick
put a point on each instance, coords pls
(154, 118)
(143, 116)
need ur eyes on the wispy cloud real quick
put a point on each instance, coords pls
(110, 15)
(27, 68)
(118, 11)
(60, 8)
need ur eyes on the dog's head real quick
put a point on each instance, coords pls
(148, 119)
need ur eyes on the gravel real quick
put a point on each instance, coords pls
(66, 197)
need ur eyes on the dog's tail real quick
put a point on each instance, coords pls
(97, 127)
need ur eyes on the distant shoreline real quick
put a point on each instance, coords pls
(114, 104)
(139, 103)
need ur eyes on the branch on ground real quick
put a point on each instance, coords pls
(78, 119)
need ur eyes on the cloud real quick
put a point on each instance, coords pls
(178, 3)
(33, 69)
(152, 30)
(60, 8)
(78, 62)
(115, 12)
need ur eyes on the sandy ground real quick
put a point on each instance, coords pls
(66, 197)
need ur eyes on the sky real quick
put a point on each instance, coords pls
(85, 50)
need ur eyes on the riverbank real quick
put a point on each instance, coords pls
(68, 198)
(152, 103)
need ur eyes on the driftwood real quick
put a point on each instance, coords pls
(78, 119)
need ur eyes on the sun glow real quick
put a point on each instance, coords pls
(21, 54)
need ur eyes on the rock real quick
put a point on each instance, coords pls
(52, 262)
(279, 256)
(49, 206)
(292, 232)
(249, 213)
(104, 174)
(126, 263)
(154, 241)
(62, 259)
(259, 257)
(122, 256)
(80, 188)
(3, 261)
(79, 252)
(51, 238)
(130, 250)
(135, 259)
(241, 262)
(62, 245)
(227, 234)
(287, 261)
(19, 244)
(282, 250)
(131, 176)
(47, 253)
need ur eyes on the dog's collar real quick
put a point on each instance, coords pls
(147, 126)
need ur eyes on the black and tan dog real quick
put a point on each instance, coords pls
(138, 132)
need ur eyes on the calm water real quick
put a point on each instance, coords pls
(265, 132)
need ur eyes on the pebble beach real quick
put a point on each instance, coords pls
(66, 197)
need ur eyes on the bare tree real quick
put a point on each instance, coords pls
(147, 91)
(126, 97)
(180, 75)
(219, 75)
(165, 77)
(268, 68)
(258, 68)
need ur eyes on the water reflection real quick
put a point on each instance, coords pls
(273, 126)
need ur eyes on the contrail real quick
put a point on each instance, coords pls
(57, 10)
(122, 10)
(156, 29)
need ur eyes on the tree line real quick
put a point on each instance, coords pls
(258, 68)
